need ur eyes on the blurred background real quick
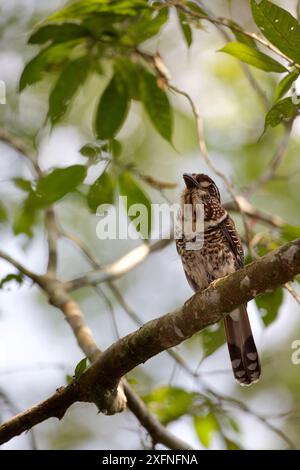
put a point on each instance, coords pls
(37, 348)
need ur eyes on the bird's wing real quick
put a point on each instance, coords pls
(230, 233)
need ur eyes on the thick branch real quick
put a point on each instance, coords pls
(200, 311)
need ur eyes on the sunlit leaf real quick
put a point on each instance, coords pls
(270, 304)
(56, 185)
(253, 56)
(205, 427)
(83, 8)
(156, 104)
(101, 192)
(136, 195)
(58, 33)
(290, 232)
(169, 403)
(71, 78)
(285, 84)
(231, 445)
(278, 26)
(80, 368)
(112, 109)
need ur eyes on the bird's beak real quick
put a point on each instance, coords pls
(190, 181)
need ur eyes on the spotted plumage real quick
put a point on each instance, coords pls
(221, 253)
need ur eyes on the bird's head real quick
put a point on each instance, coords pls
(199, 185)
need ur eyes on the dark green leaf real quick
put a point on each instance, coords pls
(146, 27)
(58, 33)
(205, 427)
(156, 104)
(270, 304)
(185, 28)
(129, 71)
(55, 185)
(169, 403)
(290, 232)
(112, 109)
(136, 195)
(283, 110)
(80, 368)
(240, 37)
(279, 26)
(71, 78)
(11, 277)
(285, 84)
(253, 56)
(212, 338)
(101, 192)
(94, 149)
(24, 221)
(48, 58)
(23, 184)
(115, 148)
(195, 7)
(3, 214)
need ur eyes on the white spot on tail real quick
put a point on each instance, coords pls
(235, 315)
(252, 366)
(252, 356)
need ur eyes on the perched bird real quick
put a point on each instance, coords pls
(219, 254)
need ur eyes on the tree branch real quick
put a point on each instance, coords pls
(117, 269)
(203, 309)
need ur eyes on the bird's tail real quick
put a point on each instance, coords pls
(242, 350)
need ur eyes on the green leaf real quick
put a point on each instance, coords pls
(46, 60)
(169, 403)
(84, 8)
(24, 185)
(24, 221)
(195, 7)
(205, 427)
(56, 185)
(283, 110)
(156, 104)
(285, 84)
(129, 71)
(101, 192)
(270, 304)
(185, 28)
(69, 378)
(279, 27)
(115, 148)
(290, 232)
(3, 214)
(71, 78)
(58, 33)
(136, 195)
(231, 445)
(80, 368)
(112, 109)
(212, 338)
(240, 37)
(253, 56)
(146, 27)
(11, 277)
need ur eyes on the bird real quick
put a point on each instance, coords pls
(219, 253)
